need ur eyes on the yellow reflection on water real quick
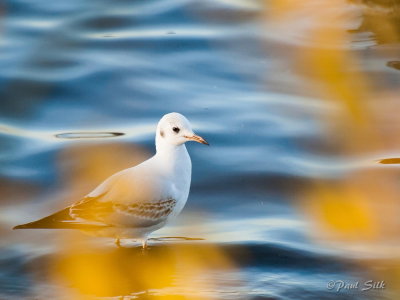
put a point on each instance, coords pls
(168, 271)
(342, 213)
(359, 211)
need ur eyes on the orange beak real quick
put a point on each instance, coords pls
(198, 139)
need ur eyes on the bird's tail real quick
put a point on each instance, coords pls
(61, 220)
(57, 220)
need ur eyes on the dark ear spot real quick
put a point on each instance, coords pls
(162, 133)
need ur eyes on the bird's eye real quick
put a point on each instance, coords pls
(176, 129)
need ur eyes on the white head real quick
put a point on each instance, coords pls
(174, 129)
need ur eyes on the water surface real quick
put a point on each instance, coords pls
(83, 85)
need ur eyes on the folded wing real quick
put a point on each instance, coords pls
(123, 200)
(93, 210)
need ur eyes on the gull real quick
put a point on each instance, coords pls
(136, 201)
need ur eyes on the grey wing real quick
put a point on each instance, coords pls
(143, 214)
(93, 210)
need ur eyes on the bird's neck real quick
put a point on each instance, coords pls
(173, 158)
(174, 163)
